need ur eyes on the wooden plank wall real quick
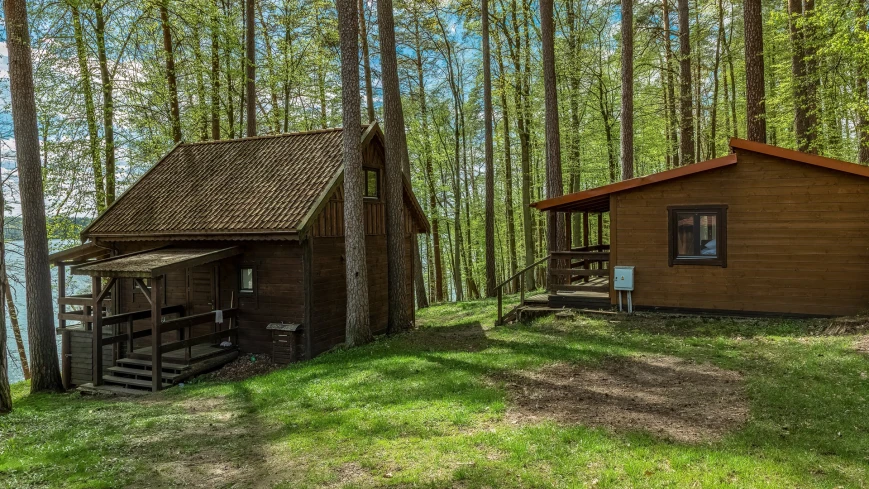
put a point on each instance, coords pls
(798, 240)
(81, 355)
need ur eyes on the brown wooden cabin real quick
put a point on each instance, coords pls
(248, 229)
(761, 231)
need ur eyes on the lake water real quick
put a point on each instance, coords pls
(15, 267)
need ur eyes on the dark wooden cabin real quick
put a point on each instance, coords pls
(248, 229)
(761, 231)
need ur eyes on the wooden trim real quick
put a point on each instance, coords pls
(156, 336)
(97, 343)
(206, 338)
(721, 245)
(576, 272)
(809, 159)
(74, 269)
(613, 244)
(310, 217)
(203, 259)
(578, 197)
(308, 287)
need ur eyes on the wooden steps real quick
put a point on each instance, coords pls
(140, 372)
(129, 382)
(112, 390)
(146, 364)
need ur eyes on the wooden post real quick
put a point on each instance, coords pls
(585, 230)
(130, 330)
(600, 230)
(97, 331)
(156, 337)
(61, 291)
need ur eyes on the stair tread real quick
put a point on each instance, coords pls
(147, 363)
(138, 371)
(128, 381)
(111, 389)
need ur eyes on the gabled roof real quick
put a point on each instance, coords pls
(597, 199)
(257, 187)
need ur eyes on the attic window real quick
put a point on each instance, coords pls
(372, 183)
(698, 235)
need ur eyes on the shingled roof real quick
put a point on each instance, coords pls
(250, 187)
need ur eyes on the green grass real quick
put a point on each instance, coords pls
(426, 409)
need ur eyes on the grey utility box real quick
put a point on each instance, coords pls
(623, 278)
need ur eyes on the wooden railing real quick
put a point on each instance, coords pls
(521, 276)
(569, 267)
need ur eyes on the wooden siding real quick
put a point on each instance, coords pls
(797, 239)
(81, 349)
(278, 296)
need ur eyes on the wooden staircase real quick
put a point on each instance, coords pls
(131, 376)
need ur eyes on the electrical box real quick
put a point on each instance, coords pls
(623, 278)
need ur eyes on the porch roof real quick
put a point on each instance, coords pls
(79, 254)
(155, 262)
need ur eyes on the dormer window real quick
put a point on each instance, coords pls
(372, 183)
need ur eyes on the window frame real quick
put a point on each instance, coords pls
(247, 292)
(377, 192)
(720, 211)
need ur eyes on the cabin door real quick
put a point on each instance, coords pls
(201, 294)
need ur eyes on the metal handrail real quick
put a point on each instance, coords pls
(521, 276)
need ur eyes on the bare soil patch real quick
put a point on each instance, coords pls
(847, 326)
(862, 344)
(665, 396)
(243, 367)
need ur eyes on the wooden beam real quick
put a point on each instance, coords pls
(189, 321)
(97, 346)
(156, 337)
(146, 291)
(206, 338)
(61, 292)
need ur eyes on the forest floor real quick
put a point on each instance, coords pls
(641, 401)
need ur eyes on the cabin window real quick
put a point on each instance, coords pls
(245, 281)
(372, 183)
(698, 235)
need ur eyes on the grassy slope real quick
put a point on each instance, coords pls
(423, 410)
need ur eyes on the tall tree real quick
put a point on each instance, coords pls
(802, 129)
(5, 393)
(755, 87)
(554, 187)
(508, 163)
(90, 110)
(171, 80)
(250, 66)
(215, 76)
(393, 118)
(358, 326)
(107, 81)
(40, 313)
(366, 62)
(686, 123)
(489, 156)
(672, 121)
(627, 126)
(863, 89)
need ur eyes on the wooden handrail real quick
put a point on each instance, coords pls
(137, 315)
(521, 276)
(203, 318)
(179, 345)
(522, 272)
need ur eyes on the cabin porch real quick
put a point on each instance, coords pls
(130, 356)
(577, 277)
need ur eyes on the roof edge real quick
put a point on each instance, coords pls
(810, 159)
(612, 188)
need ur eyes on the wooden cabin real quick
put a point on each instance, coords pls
(222, 248)
(761, 231)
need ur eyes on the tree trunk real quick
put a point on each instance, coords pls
(627, 126)
(40, 313)
(250, 66)
(393, 118)
(554, 187)
(366, 62)
(429, 172)
(202, 112)
(90, 110)
(358, 326)
(108, 103)
(13, 321)
(489, 156)
(215, 79)
(5, 393)
(714, 115)
(755, 86)
(811, 81)
(508, 168)
(575, 166)
(673, 150)
(175, 113)
(798, 71)
(686, 104)
(863, 92)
